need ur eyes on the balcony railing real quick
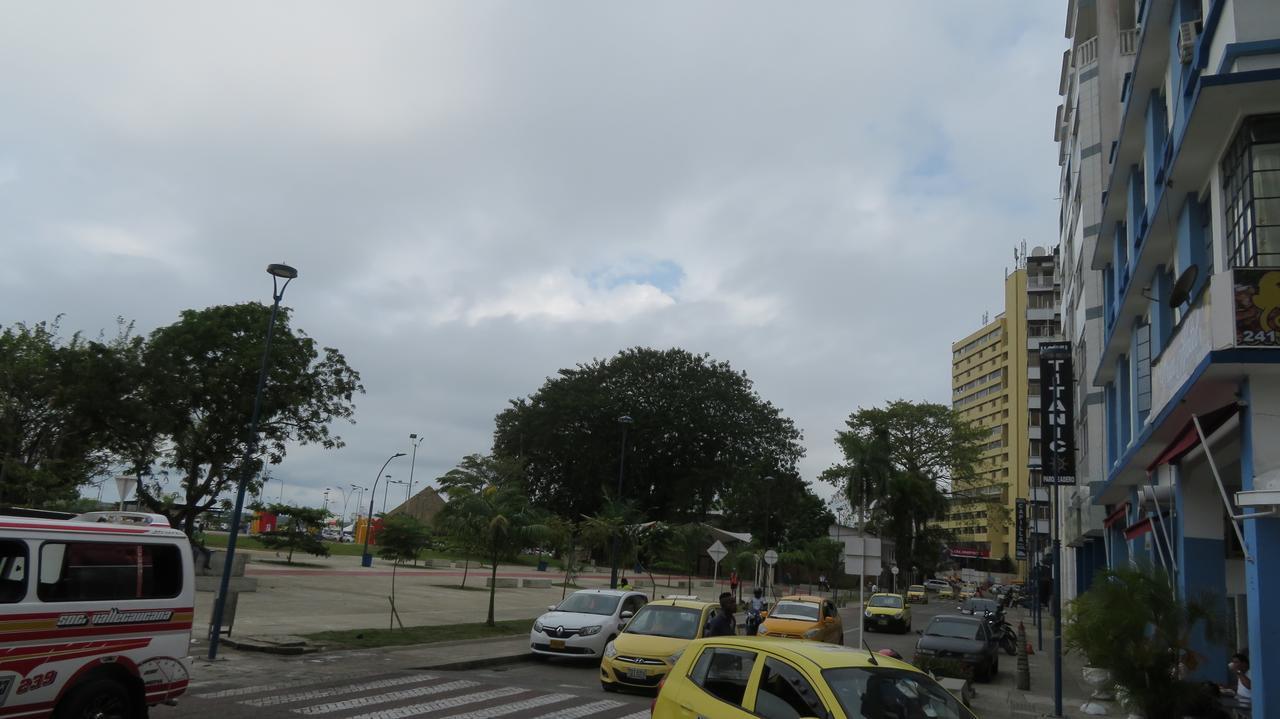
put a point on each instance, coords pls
(1086, 52)
(1129, 40)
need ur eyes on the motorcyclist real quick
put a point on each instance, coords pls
(755, 608)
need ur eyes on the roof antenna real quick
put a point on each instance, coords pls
(871, 656)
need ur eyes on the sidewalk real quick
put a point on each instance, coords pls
(1001, 698)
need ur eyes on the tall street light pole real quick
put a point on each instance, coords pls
(768, 568)
(625, 421)
(277, 272)
(366, 559)
(390, 482)
(415, 441)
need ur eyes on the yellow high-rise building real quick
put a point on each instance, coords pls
(995, 373)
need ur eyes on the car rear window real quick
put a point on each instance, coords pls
(943, 627)
(108, 571)
(723, 673)
(795, 610)
(13, 571)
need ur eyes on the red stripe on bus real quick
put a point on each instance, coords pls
(18, 635)
(54, 615)
(103, 528)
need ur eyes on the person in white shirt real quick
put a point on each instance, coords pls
(1239, 667)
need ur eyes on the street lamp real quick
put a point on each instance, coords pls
(366, 559)
(625, 421)
(277, 272)
(415, 441)
(386, 487)
(768, 569)
(355, 487)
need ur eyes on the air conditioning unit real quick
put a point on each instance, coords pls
(1188, 32)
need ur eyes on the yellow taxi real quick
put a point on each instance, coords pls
(887, 611)
(644, 651)
(751, 677)
(967, 591)
(917, 593)
(803, 616)
(946, 592)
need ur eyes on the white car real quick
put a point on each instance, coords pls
(584, 622)
(935, 584)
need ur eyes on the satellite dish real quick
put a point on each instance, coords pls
(1182, 288)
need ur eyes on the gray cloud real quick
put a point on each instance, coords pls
(480, 193)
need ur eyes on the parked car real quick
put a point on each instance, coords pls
(584, 623)
(887, 611)
(958, 646)
(651, 642)
(751, 677)
(979, 607)
(946, 593)
(967, 591)
(936, 585)
(801, 616)
(917, 593)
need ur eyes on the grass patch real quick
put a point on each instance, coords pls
(570, 585)
(287, 563)
(218, 540)
(458, 588)
(371, 638)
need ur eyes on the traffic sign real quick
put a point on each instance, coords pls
(717, 551)
(894, 569)
(770, 557)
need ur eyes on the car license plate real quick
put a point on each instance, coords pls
(638, 674)
(882, 620)
(557, 644)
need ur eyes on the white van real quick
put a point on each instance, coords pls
(95, 615)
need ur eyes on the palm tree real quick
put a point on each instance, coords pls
(489, 505)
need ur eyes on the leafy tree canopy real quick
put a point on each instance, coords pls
(297, 529)
(899, 460)
(698, 427)
(63, 404)
(199, 379)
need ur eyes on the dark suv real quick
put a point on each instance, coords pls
(958, 646)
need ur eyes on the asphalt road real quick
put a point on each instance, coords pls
(535, 689)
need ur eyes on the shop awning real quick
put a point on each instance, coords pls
(1137, 530)
(1119, 515)
(1188, 438)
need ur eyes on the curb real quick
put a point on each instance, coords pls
(478, 663)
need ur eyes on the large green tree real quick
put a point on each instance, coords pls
(297, 529)
(901, 460)
(198, 381)
(64, 403)
(698, 427)
(785, 505)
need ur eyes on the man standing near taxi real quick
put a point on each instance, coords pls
(723, 624)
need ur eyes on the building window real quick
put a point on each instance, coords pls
(1251, 193)
(1142, 350)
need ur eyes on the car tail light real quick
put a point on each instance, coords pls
(654, 704)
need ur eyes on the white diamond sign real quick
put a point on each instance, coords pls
(125, 485)
(717, 551)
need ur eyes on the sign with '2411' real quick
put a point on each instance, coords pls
(1057, 414)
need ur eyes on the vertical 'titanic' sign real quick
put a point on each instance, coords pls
(1057, 410)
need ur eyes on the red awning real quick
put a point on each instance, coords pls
(1189, 438)
(1117, 516)
(1137, 530)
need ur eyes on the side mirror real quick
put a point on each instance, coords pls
(629, 614)
(551, 607)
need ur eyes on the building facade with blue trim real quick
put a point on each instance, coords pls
(1184, 362)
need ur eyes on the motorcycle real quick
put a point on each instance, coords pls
(1005, 636)
(753, 622)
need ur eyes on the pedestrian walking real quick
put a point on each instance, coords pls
(723, 623)
(733, 585)
(822, 583)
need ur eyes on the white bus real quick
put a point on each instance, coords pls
(95, 615)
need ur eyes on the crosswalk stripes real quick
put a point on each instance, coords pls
(359, 702)
(410, 696)
(275, 700)
(414, 710)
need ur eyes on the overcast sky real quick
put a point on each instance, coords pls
(476, 194)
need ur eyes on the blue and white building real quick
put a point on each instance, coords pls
(1170, 136)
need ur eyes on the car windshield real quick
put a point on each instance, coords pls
(884, 693)
(786, 609)
(916, 588)
(942, 627)
(589, 603)
(886, 600)
(659, 621)
(978, 606)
